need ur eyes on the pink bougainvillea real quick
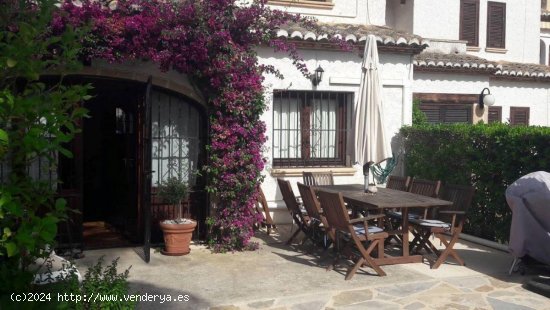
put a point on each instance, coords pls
(213, 42)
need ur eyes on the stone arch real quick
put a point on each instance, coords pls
(128, 77)
(140, 71)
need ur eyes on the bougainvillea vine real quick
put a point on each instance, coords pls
(212, 41)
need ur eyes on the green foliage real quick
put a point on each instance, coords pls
(102, 287)
(418, 117)
(490, 157)
(104, 281)
(37, 119)
(173, 190)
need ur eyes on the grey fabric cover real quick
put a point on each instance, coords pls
(529, 199)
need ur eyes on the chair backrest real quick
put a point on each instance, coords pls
(425, 187)
(263, 202)
(398, 183)
(335, 210)
(288, 196)
(318, 178)
(312, 205)
(460, 195)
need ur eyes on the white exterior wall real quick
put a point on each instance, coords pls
(342, 73)
(400, 16)
(344, 11)
(441, 20)
(507, 93)
(449, 83)
(523, 94)
(522, 31)
(437, 19)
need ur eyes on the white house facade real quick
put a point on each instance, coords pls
(442, 53)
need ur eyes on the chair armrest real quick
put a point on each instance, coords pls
(455, 213)
(366, 218)
(451, 212)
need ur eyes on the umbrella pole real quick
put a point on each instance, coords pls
(366, 168)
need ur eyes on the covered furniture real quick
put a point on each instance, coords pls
(450, 220)
(529, 199)
(359, 240)
(318, 178)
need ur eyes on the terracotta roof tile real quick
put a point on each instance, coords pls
(464, 62)
(517, 69)
(453, 61)
(352, 32)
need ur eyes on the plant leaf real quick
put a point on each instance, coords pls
(11, 62)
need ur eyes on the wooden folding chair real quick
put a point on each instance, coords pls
(318, 178)
(425, 188)
(313, 207)
(461, 196)
(356, 237)
(267, 221)
(398, 183)
(301, 219)
(420, 187)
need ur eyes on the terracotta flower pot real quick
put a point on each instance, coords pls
(177, 238)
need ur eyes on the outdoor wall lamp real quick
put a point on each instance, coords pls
(317, 76)
(486, 99)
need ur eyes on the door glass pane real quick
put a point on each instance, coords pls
(175, 133)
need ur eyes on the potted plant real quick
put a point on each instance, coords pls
(177, 232)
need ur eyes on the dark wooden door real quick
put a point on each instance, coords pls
(69, 233)
(145, 169)
(123, 174)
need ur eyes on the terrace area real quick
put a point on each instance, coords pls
(280, 276)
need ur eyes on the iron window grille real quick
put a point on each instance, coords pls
(310, 128)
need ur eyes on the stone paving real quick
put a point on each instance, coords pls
(293, 277)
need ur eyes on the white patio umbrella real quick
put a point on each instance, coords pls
(371, 145)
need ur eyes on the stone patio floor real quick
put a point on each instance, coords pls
(278, 276)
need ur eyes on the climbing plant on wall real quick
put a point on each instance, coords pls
(213, 43)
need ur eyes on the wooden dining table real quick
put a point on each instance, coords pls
(354, 195)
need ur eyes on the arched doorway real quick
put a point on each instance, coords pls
(104, 180)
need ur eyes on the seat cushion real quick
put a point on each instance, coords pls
(431, 223)
(360, 229)
(397, 215)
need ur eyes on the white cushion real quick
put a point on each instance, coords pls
(431, 223)
(398, 215)
(360, 229)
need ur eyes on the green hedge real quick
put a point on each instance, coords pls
(490, 157)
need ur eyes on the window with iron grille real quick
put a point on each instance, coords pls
(310, 128)
(176, 140)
